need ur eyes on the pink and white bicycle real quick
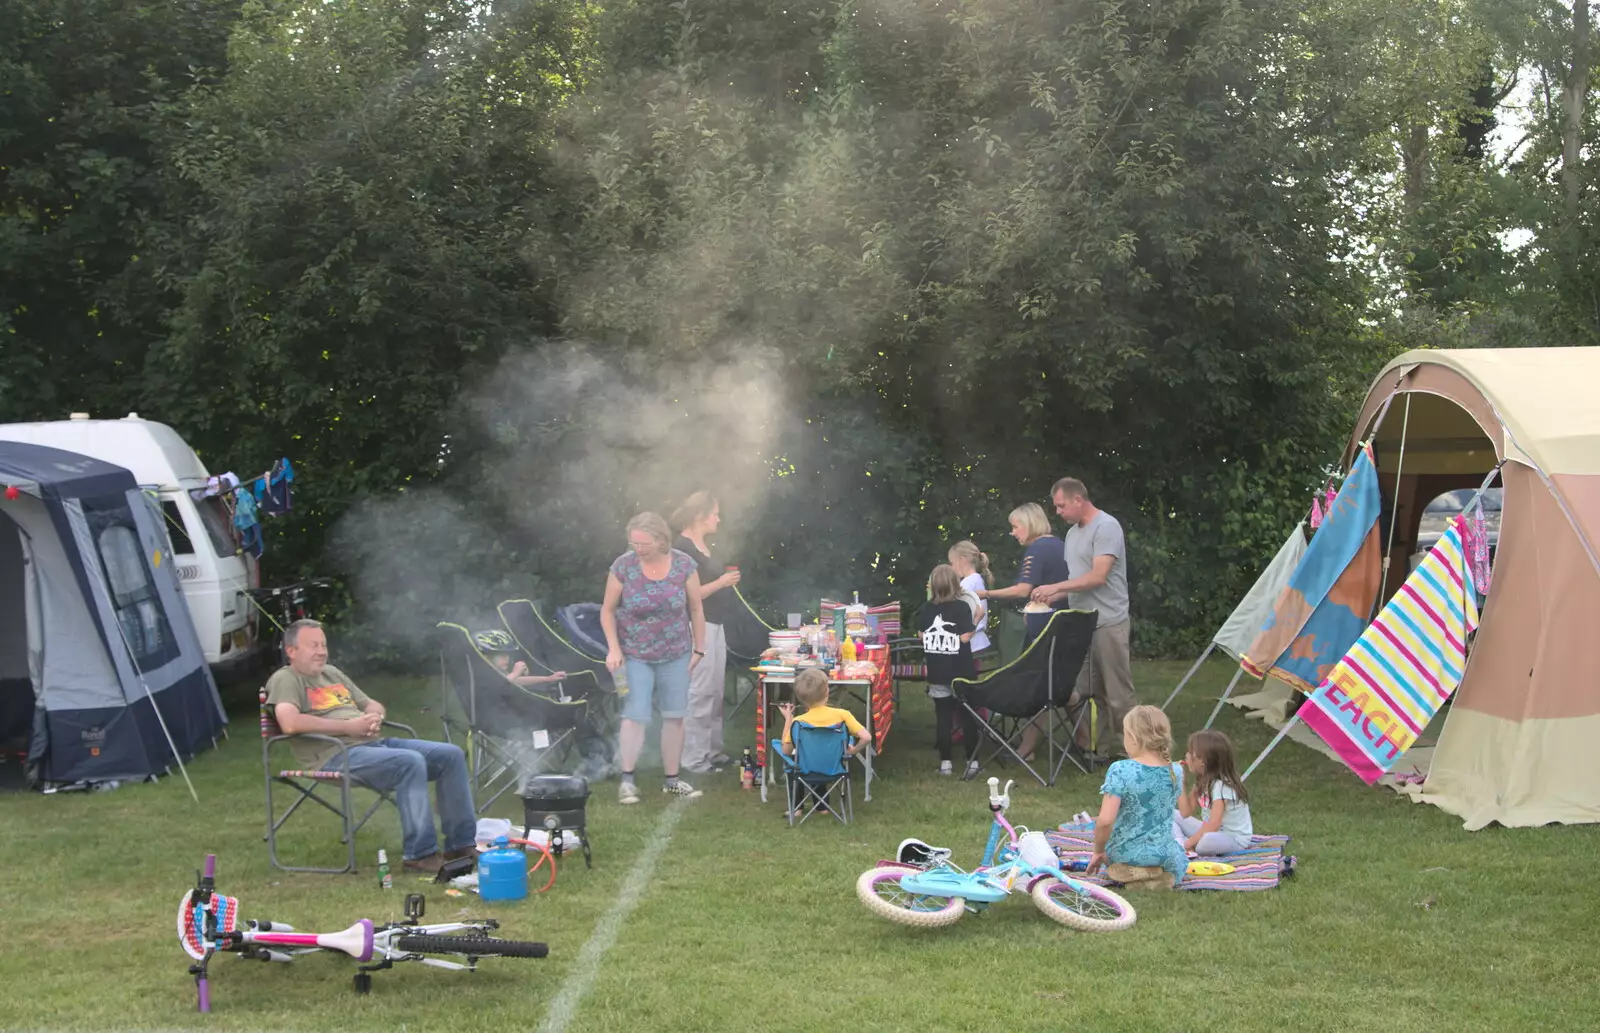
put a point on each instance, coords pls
(208, 923)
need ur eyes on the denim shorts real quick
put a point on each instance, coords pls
(656, 686)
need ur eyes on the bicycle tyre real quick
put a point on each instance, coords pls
(934, 913)
(1093, 910)
(472, 946)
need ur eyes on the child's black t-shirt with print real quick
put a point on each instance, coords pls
(941, 626)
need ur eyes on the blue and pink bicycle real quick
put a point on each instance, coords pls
(921, 887)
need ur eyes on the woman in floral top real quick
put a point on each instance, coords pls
(655, 630)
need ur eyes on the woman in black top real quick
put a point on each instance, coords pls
(696, 519)
(1044, 560)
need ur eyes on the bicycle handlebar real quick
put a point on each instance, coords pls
(998, 800)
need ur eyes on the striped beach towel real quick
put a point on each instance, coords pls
(1260, 867)
(1377, 700)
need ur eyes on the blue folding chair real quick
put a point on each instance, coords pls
(818, 771)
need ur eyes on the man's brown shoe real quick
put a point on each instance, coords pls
(456, 855)
(426, 865)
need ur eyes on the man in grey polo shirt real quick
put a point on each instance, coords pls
(1097, 579)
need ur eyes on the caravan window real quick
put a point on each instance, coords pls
(218, 523)
(176, 529)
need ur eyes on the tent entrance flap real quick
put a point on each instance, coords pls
(16, 685)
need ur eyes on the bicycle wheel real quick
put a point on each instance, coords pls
(471, 946)
(1082, 906)
(879, 889)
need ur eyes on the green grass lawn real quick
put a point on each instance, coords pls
(749, 923)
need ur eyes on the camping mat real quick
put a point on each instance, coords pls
(1257, 868)
(1271, 705)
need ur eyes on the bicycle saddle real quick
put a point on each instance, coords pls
(916, 852)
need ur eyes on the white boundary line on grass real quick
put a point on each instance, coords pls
(587, 967)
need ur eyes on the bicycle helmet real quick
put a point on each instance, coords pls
(494, 641)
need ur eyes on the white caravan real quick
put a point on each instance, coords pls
(215, 575)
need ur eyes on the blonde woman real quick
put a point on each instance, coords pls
(655, 625)
(1043, 563)
(697, 519)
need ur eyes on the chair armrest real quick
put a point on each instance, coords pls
(410, 732)
(782, 755)
(343, 754)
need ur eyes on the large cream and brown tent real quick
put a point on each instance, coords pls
(1521, 745)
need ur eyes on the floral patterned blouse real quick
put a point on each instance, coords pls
(653, 616)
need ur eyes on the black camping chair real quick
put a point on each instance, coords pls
(1037, 683)
(548, 650)
(511, 731)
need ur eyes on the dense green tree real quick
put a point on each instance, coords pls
(85, 86)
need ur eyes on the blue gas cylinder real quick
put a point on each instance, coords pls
(503, 872)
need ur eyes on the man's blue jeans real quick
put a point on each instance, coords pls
(405, 767)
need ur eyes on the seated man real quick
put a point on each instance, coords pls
(312, 696)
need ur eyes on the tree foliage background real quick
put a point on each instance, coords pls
(497, 275)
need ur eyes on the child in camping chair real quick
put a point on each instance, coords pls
(811, 688)
(498, 647)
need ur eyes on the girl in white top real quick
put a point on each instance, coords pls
(1213, 815)
(972, 566)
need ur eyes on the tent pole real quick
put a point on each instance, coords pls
(1276, 739)
(1237, 674)
(1394, 506)
(1195, 667)
(134, 660)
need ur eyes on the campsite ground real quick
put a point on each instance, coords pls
(749, 923)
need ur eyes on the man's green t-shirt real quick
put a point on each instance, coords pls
(330, 695)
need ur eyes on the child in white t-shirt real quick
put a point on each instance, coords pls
(1213, 814)
(972, 566)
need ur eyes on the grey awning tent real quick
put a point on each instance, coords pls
(101, 673)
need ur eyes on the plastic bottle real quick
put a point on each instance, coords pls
(385, 880)
(619, 678)
(747, 770)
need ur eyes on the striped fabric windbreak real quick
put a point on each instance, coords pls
(1377, 700)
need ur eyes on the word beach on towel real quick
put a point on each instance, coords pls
(1379, 698)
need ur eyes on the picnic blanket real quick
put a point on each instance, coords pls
(1258, 868)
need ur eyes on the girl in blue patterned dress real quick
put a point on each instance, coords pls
(1133, 834)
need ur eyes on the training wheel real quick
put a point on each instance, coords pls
(363, 982)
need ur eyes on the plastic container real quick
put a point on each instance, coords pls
(1036, 850)
(503, 872)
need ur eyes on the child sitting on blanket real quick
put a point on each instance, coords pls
(1218, 794)
(1133, 834)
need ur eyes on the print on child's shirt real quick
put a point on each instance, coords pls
(940, 638)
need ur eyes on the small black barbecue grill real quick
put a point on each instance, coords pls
(556, 803)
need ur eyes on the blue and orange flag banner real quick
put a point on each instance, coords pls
(1324, 608)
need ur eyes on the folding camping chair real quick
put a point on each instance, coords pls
(818, 771)
(1036, 684)
(547, 649)
(307, 786)
(511, 731)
